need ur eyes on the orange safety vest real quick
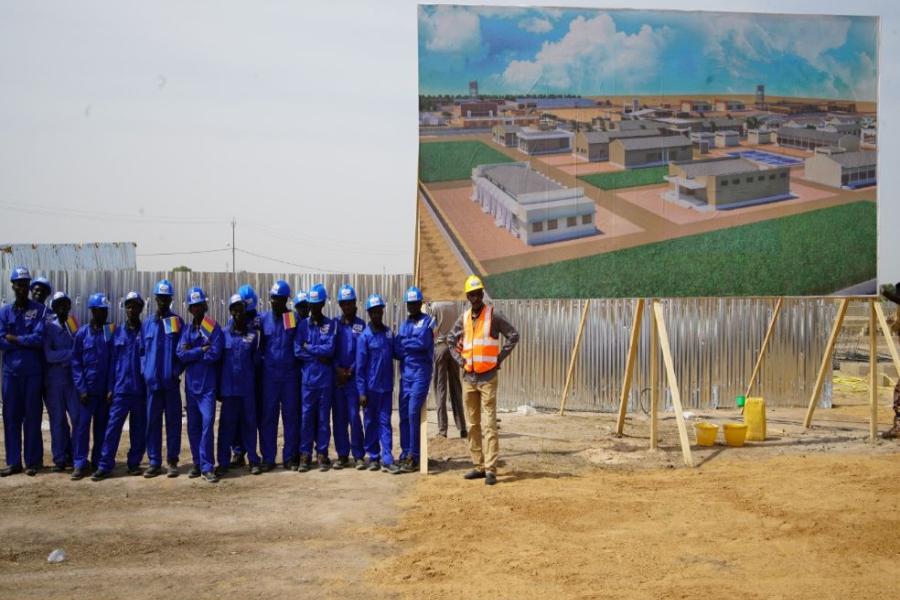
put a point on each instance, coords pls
(479, 349)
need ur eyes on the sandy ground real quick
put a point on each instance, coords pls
(578, 513)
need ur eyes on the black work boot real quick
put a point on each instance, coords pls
(893, 432)
(324, 462)
(305, 463)
(152, 471)
(11, 470)
(172, 469)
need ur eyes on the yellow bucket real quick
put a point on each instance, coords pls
(706, 433)
(735, 434)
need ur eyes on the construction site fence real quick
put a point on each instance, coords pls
(715, 341)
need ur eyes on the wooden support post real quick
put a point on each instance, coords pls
(633, 343)
(654, 385)
(673, 383)
(575, 348)
(423, 414)
(886, 330)
(765, 346)
(826, 360)
(417, 242)
(873, 373)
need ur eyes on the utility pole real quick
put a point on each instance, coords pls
(233, 268)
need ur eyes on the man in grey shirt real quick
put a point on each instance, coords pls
(475, 346)
(446, 371)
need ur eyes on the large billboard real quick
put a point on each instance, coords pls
(623, 153)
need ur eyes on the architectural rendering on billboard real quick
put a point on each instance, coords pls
(622, 153)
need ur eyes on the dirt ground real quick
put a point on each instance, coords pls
(578, 513)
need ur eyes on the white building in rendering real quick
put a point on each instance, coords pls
(531, 206)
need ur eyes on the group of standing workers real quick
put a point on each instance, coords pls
(328, 379)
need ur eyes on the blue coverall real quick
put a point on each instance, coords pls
(314, 346)
(375, 380)
(200, 383)
(254, 322)
(414, 346)
(22, 379)
(162, 369)
(279, 384)
(237, 390)
(91, 355)
(129, 399)
(348, 428)
(59, 390)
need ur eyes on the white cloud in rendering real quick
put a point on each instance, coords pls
(591, 52)
(451, 29)
(535, 25)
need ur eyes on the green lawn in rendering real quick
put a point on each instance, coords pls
(447, 161)
(813, 253)
(628, 178)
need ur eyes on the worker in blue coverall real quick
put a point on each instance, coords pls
(60, 396)
(375, 386)
(40, 290)
(301, 311)
(200, 350)
(314, 346)
(279, 380)
(237, 391)
(254, 322)
(21, 341)
(346, 422)
(414, 346)
(91, 353)
(162, 371)
(127, 394)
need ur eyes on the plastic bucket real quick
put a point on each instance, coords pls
(735, 434)
(706, 433)
(740, 401)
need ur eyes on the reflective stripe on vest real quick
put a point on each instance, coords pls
(479, 349)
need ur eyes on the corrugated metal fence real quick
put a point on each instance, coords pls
(97, 255)
(714, 340)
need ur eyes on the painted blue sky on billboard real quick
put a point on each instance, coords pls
(511, 50)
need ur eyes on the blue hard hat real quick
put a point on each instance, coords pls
(59, 296)
(164, 287)
(374, 301)
(20, 273)
(317, 294)
(346, 293)
(248, 294)
(133, 296)
(41, 281)
(195, 295)
(301, 297)
(98, 300)
(280, 288)
(413, 294)
(237, 299)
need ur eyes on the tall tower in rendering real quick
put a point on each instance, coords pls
(760, 96)
(473, 89)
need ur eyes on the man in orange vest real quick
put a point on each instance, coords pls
(475, 346)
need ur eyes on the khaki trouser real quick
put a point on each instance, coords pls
(480, 397)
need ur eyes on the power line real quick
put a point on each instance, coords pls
(327, 245)
(287, 262)
(185, 252)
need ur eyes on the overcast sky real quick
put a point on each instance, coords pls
(159, 122)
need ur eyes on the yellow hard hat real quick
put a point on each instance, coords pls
(473, 283)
